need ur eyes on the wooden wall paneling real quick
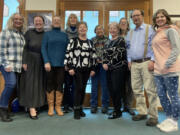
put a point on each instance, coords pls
(103, 0)
(1, 24)
(106, 19)
(62, 13)
(147, 12)
(1, 13)
(81, 13)
(22, 6)
(57, 8)
(151, 11)
(76, 5)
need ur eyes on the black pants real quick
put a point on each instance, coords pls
(68, 90)
(80, 80)
(55, 79)
(128, 95)
(116, 84)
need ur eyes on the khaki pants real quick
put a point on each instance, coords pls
(140, 76)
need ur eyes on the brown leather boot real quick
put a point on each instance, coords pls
(59, 98)
(50, 99)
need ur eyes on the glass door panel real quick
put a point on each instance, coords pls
(10, 7)
(92, 19)
(115, 16)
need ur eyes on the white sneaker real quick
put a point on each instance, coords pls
(163, 123)
(169, 126)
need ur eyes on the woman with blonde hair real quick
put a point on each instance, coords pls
(11, 49)
(71, 30)
(71, 26)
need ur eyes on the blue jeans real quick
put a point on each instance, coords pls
(10, 84)
(99, 76)
(168, 86)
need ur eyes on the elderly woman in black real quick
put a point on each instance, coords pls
(81, 61)
(115, 63)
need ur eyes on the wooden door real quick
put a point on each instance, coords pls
(105, 9)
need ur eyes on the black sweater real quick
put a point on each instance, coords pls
(115, 55)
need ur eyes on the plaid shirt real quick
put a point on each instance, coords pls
(11, 48)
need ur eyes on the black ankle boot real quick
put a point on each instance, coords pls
(82, 114)
(4, 115)
(115, 115)
(130, 111)
(77, 115)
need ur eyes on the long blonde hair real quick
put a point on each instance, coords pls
(10, 26)
(68, 21)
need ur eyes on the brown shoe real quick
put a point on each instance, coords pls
(50, 99)
(139, 117)
(152, 122)
(59, 98)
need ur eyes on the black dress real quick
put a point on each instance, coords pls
(32, 81)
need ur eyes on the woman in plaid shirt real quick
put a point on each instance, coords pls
(11, 49)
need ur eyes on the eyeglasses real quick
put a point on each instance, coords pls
(136, 15)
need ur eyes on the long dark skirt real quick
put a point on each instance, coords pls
(32, 82)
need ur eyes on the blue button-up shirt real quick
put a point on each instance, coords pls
(135, 43)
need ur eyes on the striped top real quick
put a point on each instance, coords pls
(11, 49)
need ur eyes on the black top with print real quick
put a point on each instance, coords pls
(80, 54)
(115, 55)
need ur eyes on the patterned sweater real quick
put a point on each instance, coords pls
(80, 54)
(99, 43)
(115, 55)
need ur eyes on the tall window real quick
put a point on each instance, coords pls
(10, 7)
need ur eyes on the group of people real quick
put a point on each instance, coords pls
(57, 64)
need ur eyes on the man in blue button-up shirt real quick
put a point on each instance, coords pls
(141, 66)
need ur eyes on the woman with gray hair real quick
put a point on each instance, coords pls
(11, 48)
(99, 42)
(115, 63)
